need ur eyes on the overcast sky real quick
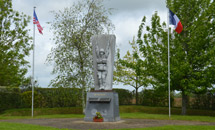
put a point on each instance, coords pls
(126, 17)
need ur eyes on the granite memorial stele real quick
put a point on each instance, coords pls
(103, 99)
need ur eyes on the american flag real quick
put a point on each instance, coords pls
(35, 21)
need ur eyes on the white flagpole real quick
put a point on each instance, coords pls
(32, 114)
(168, 62)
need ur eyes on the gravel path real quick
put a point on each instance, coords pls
(72, 123)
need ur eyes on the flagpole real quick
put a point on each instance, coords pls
(168, 62)
(32, 114)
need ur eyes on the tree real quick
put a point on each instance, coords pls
(192, 51)
(72, 57)
(14, 45)
(196, 44)
(27, 83)
(130, 70)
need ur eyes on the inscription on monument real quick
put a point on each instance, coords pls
(99, 95)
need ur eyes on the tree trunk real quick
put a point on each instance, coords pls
(83, 87)
(82, 78)
(184, 103)
(137, 101)
(83, 98)
(136, 88)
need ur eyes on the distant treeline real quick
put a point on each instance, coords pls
(14, 98)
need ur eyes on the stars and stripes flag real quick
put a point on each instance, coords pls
(36, 21)
(174, 20)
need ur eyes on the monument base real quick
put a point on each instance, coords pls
(105, 102)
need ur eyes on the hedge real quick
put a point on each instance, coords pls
(61, 97)
(125, 96)
(50, 98)
(9, 99)
(43, 98)
(159, 98)
(26, 98)
(203, 101)
(71, 97)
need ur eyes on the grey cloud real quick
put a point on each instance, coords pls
(132, 5)
(126, 17)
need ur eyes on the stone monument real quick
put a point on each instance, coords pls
(103, 99)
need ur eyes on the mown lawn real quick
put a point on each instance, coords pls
(136, 115)
(123, 109)
(5, 117)
(166, 117)
(123, 116)
(19, 126)
(136, 112)
(175, 127)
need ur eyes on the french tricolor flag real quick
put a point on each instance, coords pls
(174, 20)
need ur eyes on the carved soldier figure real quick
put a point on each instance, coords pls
(102, 66)
(103, 60)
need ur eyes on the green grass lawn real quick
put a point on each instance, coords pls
(166, 117)
(5, 117)
(19, 126)
(126, 112)
(123, 109)
(123, 116)
(175, 127)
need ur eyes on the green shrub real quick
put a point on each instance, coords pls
(125, 96)
(27, 100)
(155, 97)
(204, 101)
(10, 99)
(61, 97)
